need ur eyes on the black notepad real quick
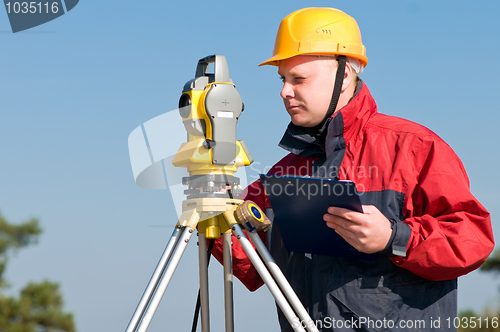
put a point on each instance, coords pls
(299, 205)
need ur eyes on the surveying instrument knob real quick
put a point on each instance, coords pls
(251, 216)
(210, 106)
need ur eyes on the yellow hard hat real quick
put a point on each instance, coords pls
(317, 31)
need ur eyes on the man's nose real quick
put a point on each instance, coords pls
(287, 91)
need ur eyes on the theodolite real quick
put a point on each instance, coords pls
(210, 106)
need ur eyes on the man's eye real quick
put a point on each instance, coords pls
(282, 79)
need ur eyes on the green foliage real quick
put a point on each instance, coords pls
(470, 321)
(39, 307)
(488, 320)
(14, 237)
(492, 264)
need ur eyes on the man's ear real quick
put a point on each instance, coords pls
(348, 76)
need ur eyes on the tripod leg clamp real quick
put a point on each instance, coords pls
(189, 218)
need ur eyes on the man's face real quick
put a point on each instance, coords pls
(307, 88)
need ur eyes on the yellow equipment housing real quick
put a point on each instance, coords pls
(210, 106)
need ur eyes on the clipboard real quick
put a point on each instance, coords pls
(299, 205)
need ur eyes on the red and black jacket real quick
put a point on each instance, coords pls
(440, 231)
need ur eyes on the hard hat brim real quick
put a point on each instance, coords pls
(274, 61)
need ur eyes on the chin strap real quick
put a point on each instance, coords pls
(339, 79)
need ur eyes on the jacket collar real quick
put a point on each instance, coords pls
(355, 114)
(347, 122)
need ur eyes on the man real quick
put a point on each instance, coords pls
(420, 223)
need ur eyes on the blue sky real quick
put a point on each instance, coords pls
(73, 89)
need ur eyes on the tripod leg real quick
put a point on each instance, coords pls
(203, 261)
(268, 280)
(228, 282)
(161, 287)
(282, 282)
(153, 282)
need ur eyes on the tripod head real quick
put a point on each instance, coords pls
(210, 106)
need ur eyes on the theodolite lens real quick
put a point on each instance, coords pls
(185, 105)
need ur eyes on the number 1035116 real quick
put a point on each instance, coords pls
(472, 322)
(33, 7)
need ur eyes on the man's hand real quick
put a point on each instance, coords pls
(368, 232)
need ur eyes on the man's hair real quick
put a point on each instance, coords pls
(332, 62)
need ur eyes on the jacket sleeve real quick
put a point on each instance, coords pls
(451, 231)
(243, 268)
